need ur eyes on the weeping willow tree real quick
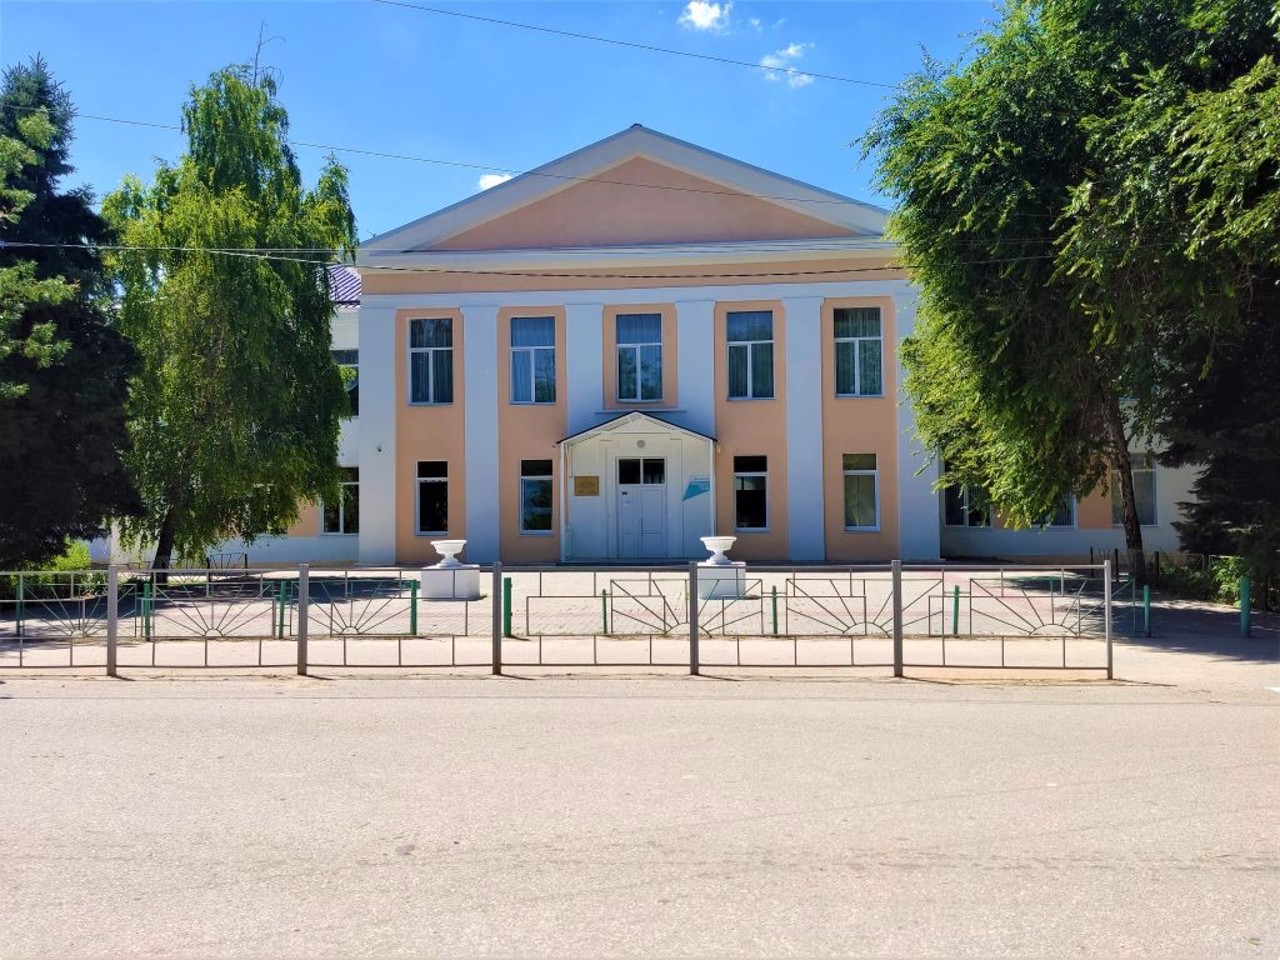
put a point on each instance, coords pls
(234, 413)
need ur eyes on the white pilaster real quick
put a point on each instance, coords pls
(584, 336)
(695, 380)
(919, 519)
(480, 432)
(805, 499)
(376, 438)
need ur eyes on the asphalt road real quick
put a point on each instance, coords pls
(565, 817)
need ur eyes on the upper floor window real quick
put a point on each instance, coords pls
(348, 362)
(750, 336)
(1144, 491)
(431, 360)
(344, 516)
(858, 352)
(639, 356)
(533, 360)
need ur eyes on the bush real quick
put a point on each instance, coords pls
(55, 579)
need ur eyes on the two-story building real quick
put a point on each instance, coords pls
(640, 344)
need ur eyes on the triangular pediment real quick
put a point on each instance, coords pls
(637, 188)
(633, 422)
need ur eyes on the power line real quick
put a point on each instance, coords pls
(465, 165)
(272, 254)
(789, 71)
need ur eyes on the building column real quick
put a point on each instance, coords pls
(806, 534)
(695, 376)
(584, 344)
(919, 516)
(480, 431)
(376, 435)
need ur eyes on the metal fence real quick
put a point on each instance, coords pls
(885, 616)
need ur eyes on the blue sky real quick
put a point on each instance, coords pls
(363, 74)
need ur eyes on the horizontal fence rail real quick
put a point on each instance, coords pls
(865, 616)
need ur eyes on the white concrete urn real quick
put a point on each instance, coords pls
(449, 549)
(717, 547)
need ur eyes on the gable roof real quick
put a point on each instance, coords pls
(344, 285)
(857, 219)
(634, 418)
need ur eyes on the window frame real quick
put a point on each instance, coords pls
(431, 367)
(968, 508)
(342, 530)
(547, 478)
(763, 474)
(1117, 502)
(860, 472)
(530, 353)
(750, 346)
(857, 356)
(418, 481)
(353, 365)
(1072, 513)
(619, 346)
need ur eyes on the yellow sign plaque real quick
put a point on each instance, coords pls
(586, 486)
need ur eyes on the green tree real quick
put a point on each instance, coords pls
(234, 414)
(1033, 375)
(63, 362)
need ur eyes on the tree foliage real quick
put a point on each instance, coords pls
(63, 363)
(1058, 199)
(234, 414)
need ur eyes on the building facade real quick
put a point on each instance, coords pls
(638, 345)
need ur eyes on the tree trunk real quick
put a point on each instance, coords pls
(1128, 499)
(164, 543)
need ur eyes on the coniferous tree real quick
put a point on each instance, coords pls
(63, 372)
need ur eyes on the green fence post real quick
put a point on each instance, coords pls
(955, 611)
(774, 591)
(506, 606)
(604, 612)
(1246, 609)
(146, 610)
(1146, 610)
(280, 610)
(20, 592)
(413, 608)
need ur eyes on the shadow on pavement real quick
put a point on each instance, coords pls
(1211, 629)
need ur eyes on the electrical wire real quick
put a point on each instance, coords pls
(789, 71)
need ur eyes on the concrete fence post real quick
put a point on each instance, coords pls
(1106, 615)
(498, 595)
(897, 619)
(113, 617)
(695, 665)
(304, 603)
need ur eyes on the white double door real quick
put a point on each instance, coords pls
(641, 484)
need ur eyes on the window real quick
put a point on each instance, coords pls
(348, 362)
(858, 347)
(533, 360)
(861, 492)
(639, 356)
(632, 470)
(750, 337)
(535, 496)
(750, 493)
(1144, 491)
(967, 507)
(431, 360)
(433, 496)
(1064, 516)
(344, 516)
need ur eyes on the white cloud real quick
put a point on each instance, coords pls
(705, 15)
(756, 25)
(493, 179)
(779, 64)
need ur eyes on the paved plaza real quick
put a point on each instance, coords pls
(735, 815)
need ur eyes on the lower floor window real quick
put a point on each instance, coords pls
(344, 515)
(433, 496)
(861, 489)
(1144, 492)
(535, 496)
(1065, 515)
(750, 493)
